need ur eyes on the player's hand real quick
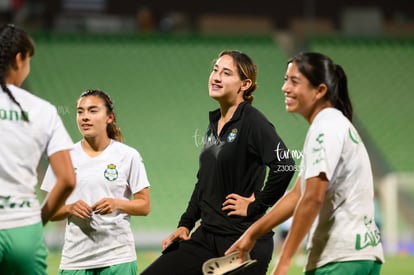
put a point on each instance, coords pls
(80, 209)
(244, 245)
(181, 233)
(105, 206)
(237, 205)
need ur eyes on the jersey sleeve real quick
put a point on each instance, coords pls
(323, 150)
(273, 152)
(59, 137)
(138, 179)
(49, 180)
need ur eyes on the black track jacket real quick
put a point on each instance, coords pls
(235, 162)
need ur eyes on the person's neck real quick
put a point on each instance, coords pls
(227, 111)
(11, 79)
(94, 146)
(318, 108)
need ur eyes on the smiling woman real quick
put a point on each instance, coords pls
(332, 200)
(232, 190)
(112, 185)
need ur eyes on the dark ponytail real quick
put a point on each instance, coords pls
(13, 41)
(343, 102)
(319, 69)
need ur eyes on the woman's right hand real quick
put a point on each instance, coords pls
(181, 233)
(237, 205)
(244, 245)
(80, 209)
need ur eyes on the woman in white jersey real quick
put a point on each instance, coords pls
(111, 186)
(29, 128)
(333, 199)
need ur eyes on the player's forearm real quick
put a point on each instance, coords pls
(136, 207)
(61, 214)
(304, 216)
(279, 213)
(62, 167)
(54, 201)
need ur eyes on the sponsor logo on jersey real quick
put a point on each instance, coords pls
(371, 237)
(319, 149)
(7, 202)
(111, 173)
(12, 115)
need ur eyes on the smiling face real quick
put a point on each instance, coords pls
(92, 117)
(300, 96)
(225, 84)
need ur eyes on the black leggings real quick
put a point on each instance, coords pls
(189, 256)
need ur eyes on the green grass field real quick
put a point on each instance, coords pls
(401, 264)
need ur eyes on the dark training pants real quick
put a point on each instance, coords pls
(189, 256)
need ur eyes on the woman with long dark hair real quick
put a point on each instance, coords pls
(29, 128)
(333, 199)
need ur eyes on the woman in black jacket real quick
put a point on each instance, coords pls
(231, 190)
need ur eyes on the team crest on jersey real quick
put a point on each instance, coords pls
(111, 173)
(232, 136)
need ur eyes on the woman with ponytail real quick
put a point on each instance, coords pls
(232, 190)
(29, 128)
(112, 185)
(333, 199)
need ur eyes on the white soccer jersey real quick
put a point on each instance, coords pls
(102, 240)
(21, 147)
(345, 229)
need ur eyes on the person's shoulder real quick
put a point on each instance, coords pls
(252, 111)
(124, 148)
(330, 120)
(77, 146)
(25, 95)
(255, 115)
(32, 101)
(76, 150)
